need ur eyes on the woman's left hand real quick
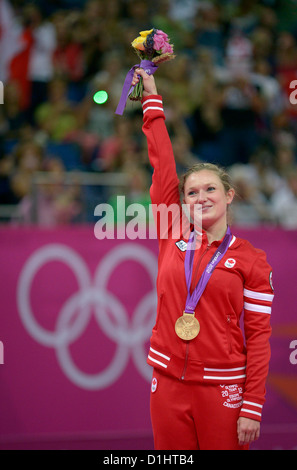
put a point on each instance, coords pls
(248, 430)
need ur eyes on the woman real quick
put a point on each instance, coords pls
(208, 385)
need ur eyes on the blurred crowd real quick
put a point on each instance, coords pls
(226, 96)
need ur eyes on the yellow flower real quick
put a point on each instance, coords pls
(138, 43)
(144, 34)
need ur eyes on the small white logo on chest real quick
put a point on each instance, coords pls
(230, 263)
(154, 385)
(182, 245)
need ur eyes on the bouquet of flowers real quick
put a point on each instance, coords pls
(152, 47)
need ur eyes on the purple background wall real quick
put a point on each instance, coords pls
(75, 321)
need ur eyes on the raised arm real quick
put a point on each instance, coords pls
(164, 189)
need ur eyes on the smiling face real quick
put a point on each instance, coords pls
(205, 189)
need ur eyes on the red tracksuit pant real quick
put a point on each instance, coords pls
(194, 416)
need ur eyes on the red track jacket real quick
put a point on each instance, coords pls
(241, 283)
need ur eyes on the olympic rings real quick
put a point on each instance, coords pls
(129, 336)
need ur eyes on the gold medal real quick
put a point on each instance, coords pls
(187, 327)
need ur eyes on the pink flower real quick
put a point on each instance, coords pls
(162, 34)
(159, 42)
(167, 48)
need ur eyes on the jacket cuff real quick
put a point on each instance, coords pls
(251, 409)
(152, 103)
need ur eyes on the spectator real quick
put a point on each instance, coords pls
(183, 11)
(7, 194)
(12, 117)
(28, 159)
(54, 204)
(265, 176)
(284, 202)
(242, 105)
(245, 15)
(68, 57)
(210, 31)
(284, 158)
(249, 208)
(269, 89)
(94, 36)
(262, 42)
(56, 117)
(206, 122)
(41, 57)
(286, 67)
(239, 54)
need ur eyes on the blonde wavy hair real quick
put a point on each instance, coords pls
(218, 170)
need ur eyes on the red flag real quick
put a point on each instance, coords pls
(19, 69)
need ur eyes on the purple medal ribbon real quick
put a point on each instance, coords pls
(149, 68)
(193, 299)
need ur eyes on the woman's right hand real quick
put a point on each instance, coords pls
(149, 85)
